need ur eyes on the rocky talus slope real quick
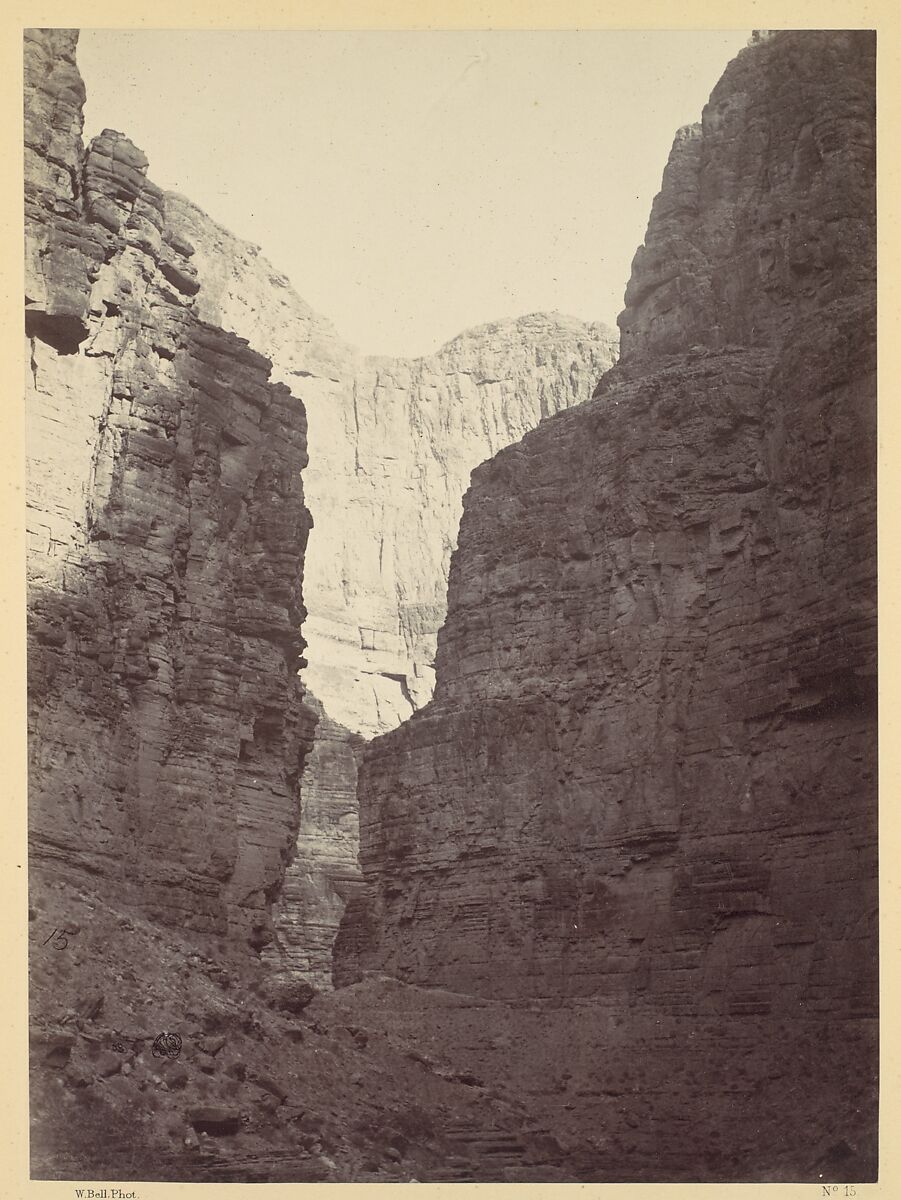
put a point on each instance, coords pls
(646, 784)
(167, 527)
(392, 445)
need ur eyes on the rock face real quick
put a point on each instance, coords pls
(323, 873)
(648, 773)
(167, 528)
(403, 448)
(392, 444)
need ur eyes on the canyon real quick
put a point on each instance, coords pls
(612, 735)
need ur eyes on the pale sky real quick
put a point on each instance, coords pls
(412, 185)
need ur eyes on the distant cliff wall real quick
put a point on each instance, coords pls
(392, 445)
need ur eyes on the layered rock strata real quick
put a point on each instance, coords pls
(323, 873)
(167, 527)
(648, 773)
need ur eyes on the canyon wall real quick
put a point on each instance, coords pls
(648, 772)
(166, 533)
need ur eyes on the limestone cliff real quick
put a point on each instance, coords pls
(416, 429)
(167, 528)
(647, 776)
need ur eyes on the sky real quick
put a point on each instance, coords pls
(415, 184)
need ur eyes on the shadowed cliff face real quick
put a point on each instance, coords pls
(648, 774)
(167, 528)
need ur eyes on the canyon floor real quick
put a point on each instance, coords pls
(387, 1082)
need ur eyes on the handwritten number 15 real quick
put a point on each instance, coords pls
(61, 941)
